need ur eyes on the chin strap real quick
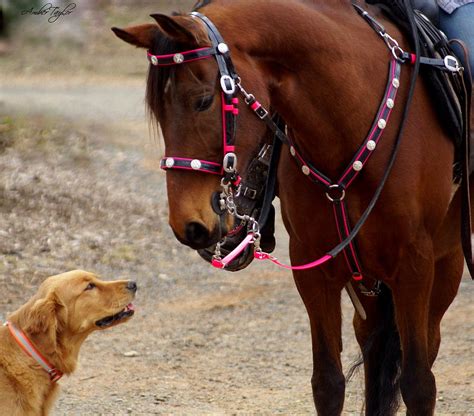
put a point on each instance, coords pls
(27, 346)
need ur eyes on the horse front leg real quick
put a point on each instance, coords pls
(379, 341)
(412, 288)
(322, 299)
(448, 274)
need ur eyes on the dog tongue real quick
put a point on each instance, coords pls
(130, 307)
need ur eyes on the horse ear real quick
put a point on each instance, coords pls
(182, 29)
(141, 36)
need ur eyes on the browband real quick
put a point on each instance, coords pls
(180, 57)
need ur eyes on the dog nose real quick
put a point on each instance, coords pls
(132, 286)
(197, 235)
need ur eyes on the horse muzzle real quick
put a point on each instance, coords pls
(235, 237)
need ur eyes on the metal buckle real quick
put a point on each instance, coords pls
(451, 63)
(261, 112)
(265, 154)
(250, 193)
(230, 90)
(371, 293)
(230, 162)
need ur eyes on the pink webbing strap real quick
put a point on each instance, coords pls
(260, 255)
(221, 264)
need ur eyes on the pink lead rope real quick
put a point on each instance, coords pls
(260, 255)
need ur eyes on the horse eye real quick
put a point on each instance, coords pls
(204, 103)
(90, 286)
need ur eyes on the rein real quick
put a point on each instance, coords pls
(230, 83)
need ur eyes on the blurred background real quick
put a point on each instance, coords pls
(80, 188)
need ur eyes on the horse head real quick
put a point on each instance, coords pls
(195, 100)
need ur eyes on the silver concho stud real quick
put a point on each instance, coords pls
(154, 60)
(169, 162)
(292, 151)
(305, 170)
(382, 124)
(178, 58)
(390, 103)
(357, 166)
(396, 82)
(196, 164)
(371, 145)
(222, 48)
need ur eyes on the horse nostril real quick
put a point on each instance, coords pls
(132, 286)
(197, 234)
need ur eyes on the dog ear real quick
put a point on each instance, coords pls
(42, 322)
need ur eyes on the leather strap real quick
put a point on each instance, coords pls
(180, 57)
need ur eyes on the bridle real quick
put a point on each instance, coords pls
(231, 181)
(230, 84)
(228, 81)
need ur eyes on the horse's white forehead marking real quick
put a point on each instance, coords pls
(168, 85)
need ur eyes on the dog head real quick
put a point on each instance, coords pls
(69, 306)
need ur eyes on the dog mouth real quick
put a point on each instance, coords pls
(108, 321)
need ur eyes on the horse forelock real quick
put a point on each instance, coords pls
(161, 78)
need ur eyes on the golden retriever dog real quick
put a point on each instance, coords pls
(41, 340)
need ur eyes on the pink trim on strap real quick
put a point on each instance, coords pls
(351, 245)
(170, 55)
(255, 106)
(224, 126)
(319, 178)
(194, 170)
(372, 133)
(340, 236)
(188, 159)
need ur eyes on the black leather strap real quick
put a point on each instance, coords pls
(180, 58)
(190, 164)
(414, 75)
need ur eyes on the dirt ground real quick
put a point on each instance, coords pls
(80, 188)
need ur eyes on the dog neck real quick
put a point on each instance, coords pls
(29, 349)
(62, 356)
(67, 354)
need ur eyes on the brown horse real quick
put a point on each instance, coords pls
(323, 69)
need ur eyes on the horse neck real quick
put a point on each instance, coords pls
(321, 72)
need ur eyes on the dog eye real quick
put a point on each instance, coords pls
(204, 103)
(90, 286)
